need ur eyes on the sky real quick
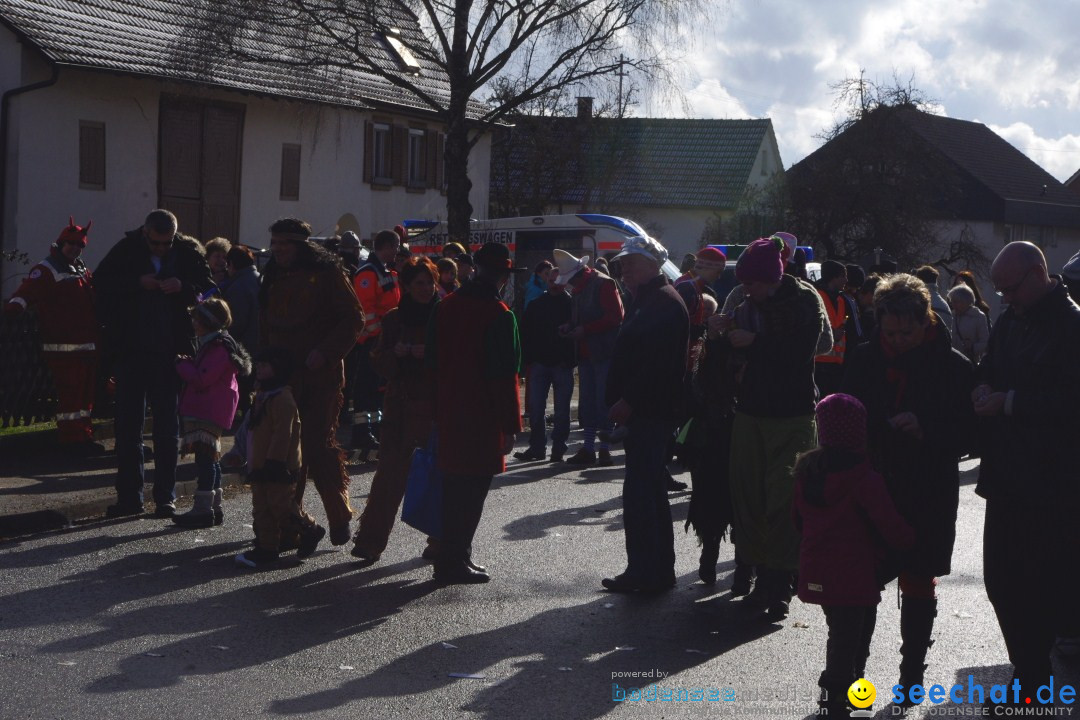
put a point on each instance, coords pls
(1011, 65)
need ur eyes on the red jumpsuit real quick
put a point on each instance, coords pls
(63, 296)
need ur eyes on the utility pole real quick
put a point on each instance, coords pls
(621, 73)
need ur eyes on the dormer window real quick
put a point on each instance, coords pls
(402, 54)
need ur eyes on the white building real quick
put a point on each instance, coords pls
(105, 118)
(670, 176)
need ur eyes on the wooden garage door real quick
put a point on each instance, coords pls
(199, 168)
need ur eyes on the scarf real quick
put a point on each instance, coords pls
(413, 314)
(896, 373)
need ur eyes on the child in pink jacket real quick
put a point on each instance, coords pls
(208, 404)
(848, 522)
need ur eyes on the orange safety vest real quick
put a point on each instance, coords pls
(837, 313)
(377, 290)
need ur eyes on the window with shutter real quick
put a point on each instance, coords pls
(290, 172)
(91, 155)
(417, 158)
(381, 167)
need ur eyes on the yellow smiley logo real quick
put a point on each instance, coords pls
(862, 693)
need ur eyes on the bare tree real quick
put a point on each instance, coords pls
(878, 186)
(535, 47)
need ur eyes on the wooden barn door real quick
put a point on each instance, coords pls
(199, 168)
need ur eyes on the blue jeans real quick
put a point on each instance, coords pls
(542, 377)
(140, 379)
(592, 388)
(650, 539)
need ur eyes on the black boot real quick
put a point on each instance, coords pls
(834, 703)
(776, 590)
(916, 625)
(710, 553)
(742, 579)
(363, 440)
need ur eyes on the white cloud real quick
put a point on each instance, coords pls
(1058, 156)
(997, 60)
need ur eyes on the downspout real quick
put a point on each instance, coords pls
(5, 110)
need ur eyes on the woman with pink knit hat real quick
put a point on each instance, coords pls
(776, 330)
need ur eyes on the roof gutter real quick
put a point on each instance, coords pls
(5, 111)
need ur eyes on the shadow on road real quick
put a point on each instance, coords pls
(589, 643)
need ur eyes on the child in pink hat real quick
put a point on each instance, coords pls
(842, 509)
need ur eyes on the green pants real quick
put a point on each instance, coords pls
(763, 451)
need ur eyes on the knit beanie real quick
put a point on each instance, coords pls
(831, 269)
(855, 275)
(841, 423)
(761, 261)
(710, 257)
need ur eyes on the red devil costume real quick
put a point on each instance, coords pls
(60, 289)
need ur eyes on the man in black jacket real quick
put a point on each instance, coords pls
(145, 284)
(1029, 397)
(644, 389)
(551, 355)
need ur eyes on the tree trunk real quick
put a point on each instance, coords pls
(458, 184)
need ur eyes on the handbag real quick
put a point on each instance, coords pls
(422, 505)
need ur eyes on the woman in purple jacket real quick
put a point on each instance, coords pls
(843, 511)
(208, 404)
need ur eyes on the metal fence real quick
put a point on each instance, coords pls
(27, 394)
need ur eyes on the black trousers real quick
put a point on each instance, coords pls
(850, 631)
(366, 395)
(148, 378)
(463, 505)
(1022, 548)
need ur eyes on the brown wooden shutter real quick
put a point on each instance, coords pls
(91, 155)
(290, 172)
(440, 162)
(399, 154)
(369, 149)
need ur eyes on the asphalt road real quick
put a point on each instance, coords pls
(138, 619)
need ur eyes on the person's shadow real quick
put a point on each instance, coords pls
(550, 654)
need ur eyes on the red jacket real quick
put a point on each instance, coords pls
(841, 547)
(473, 341)
(63, 297)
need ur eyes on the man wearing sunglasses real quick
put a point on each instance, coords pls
(145, 285)
(60, 290)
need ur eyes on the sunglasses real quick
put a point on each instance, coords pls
(1001, 292)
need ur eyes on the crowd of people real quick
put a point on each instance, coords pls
(822, 423)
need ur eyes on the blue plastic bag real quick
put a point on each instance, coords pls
(422, 506)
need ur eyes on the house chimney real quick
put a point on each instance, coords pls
(584, 108)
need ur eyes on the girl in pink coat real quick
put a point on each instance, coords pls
(848, 522)
(208, 404)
